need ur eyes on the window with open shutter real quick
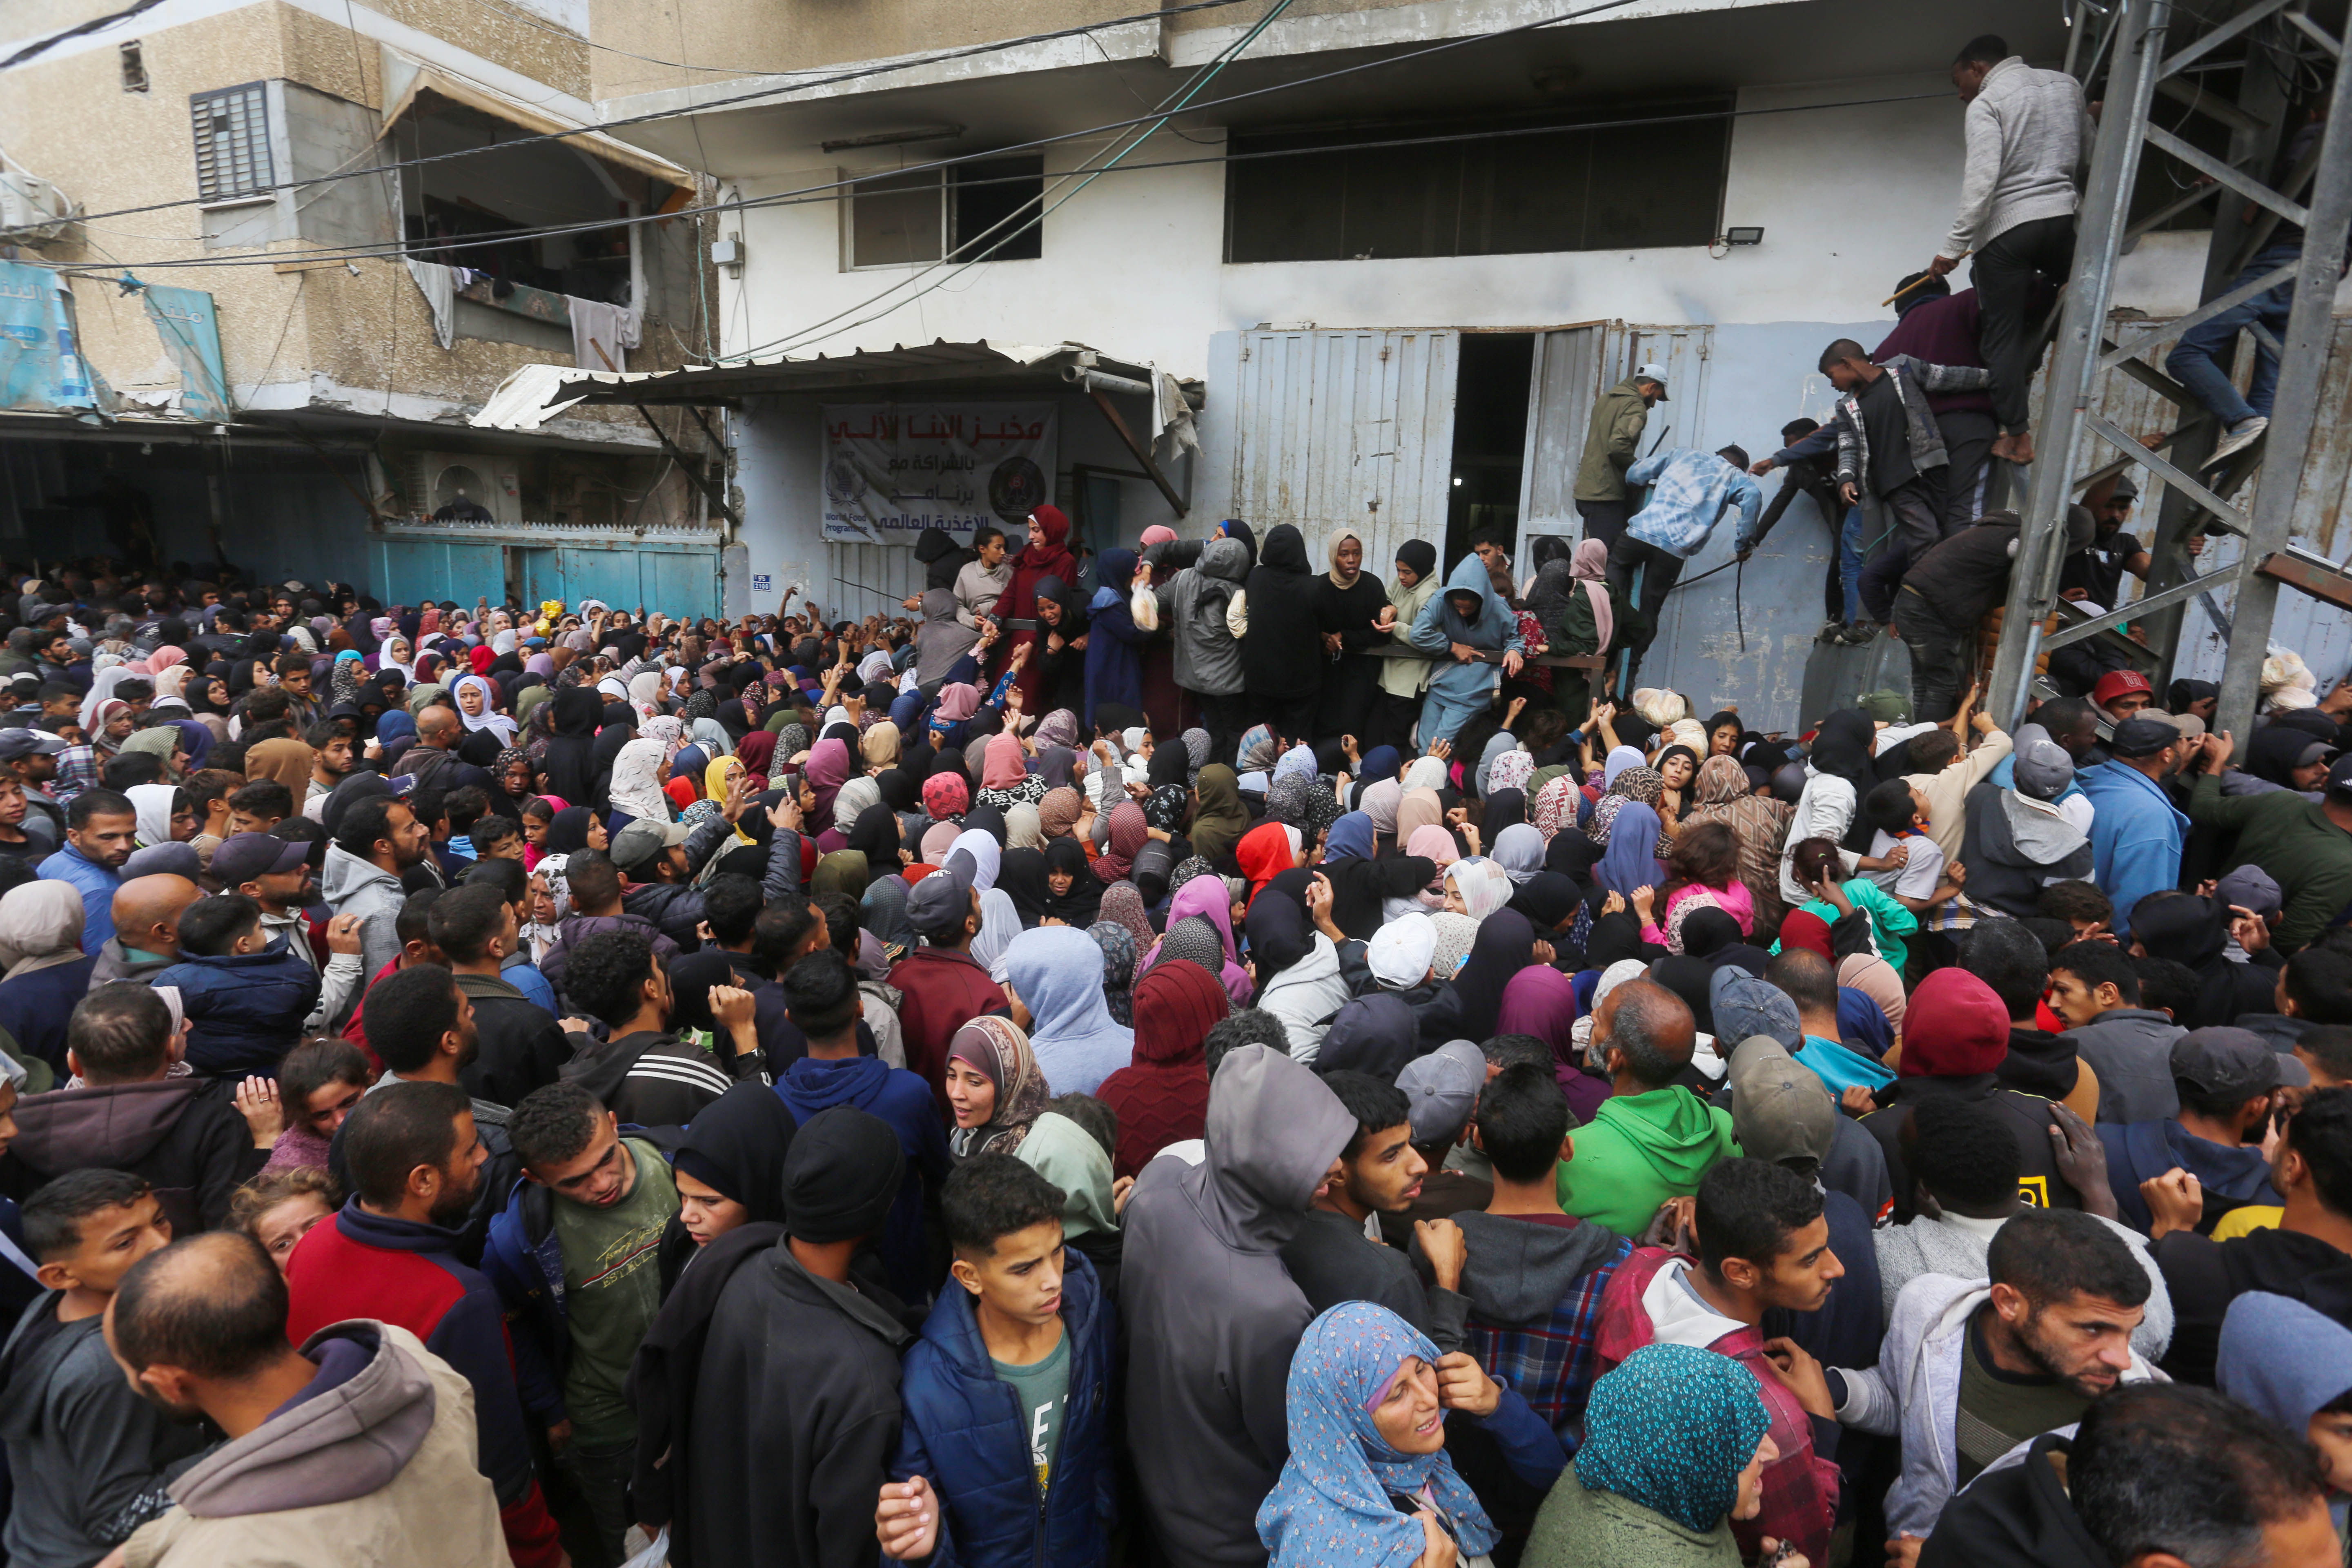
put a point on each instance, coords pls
(232, 126)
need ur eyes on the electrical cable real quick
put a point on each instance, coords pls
(654, 116)
(1172, 103)
(811, 195)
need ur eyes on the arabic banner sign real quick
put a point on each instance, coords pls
(191, 333)
(892, 469)
(41, 364)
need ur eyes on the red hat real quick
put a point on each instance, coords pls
(1954, 1028)
(2115, 683)
(1810, 933)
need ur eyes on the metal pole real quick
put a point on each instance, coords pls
(2073, 368)
(2303, 365)
(2262, 96)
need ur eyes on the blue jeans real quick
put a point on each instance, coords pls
(1852, 550)
(2200, 361)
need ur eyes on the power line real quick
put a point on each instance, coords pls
(1167, 107)
(361, 252)
(767, 92)
(807, 195)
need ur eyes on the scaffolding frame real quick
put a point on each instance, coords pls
(2131, 45)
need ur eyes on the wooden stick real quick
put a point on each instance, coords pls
(1916, 283)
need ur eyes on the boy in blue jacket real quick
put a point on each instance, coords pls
(243, 993)
(1005, 1455)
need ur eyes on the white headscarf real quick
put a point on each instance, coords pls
(980, 845)
(637, 781)
(152, 804)
(490, 718)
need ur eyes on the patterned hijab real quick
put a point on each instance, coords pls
(999, 1048)
(1671, 1428)
(1331, 1505)
(1644, 784)
(1118, 950)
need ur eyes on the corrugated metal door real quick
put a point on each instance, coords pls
(1345, 429)
(1562, 385)
(875, 579)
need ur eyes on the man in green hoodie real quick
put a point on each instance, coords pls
(1651, 1139)
(1611, 444)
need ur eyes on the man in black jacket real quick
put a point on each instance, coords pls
(643, 1073)
(130, 1115)
(2156, 1474)
(795, 1408)
(1946, 595)
(521, 1045)
(659, 861)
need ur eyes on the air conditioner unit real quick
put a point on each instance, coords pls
(31, 207)
(489, 480)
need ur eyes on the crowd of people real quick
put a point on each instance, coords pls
(1189, 1056)
(1007, 1083)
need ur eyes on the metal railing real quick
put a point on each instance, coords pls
(2132, 45)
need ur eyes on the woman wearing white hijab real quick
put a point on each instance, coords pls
(1000, 922)
(484, 713)
(1479, 885)
(102, 690)
(637, 787)
(152, 806)
(980, 845)
(1428, 773)
(396, 653)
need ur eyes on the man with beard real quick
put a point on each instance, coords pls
(101, 829)
(1971, 1369)
(574, 1256)
(275, 873)
(331, 760)
(416, 1164)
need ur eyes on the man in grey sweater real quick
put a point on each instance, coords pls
(2027, 135)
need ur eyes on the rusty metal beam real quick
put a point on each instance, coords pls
(2323, 579)
(1141, 453)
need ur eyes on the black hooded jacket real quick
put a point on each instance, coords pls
(569, 765)
(795, 1410)
(2016, 1517)
(191, 1146)
(1281, 657)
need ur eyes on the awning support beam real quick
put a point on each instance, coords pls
(1142, 453)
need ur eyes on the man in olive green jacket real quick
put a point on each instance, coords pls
(1615, 440)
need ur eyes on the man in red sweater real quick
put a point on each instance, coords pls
(415, 1161)
(945, 988)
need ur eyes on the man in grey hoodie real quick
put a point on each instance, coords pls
(1208, 657)
(376, 839)
(357, 1447)
(1212, 1315)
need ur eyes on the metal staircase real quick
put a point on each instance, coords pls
(2146, 47)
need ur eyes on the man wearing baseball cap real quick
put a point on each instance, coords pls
(942, 986)
(2305, 846)
(1611, 444)
(2120, 693)
(275, 873)
(33, 755)
(2136, 830)
(2225, 1077)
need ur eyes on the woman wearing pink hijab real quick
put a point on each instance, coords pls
(1206, 896)
(827, 770)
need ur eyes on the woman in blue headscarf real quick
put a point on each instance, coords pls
(1632, 861)
(1675, 1449)
(1114, 642)
(1367, 1444)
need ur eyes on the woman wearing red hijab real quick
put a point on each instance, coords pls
(1047, 555)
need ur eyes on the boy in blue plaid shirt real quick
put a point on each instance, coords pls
(1535, 1275)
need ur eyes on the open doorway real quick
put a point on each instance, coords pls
(1490, 437)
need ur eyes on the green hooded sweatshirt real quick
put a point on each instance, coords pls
(1638, 1151)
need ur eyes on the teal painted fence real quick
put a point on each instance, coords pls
(677, 578)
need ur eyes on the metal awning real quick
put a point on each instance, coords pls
(537, 393)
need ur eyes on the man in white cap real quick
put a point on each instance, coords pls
(1614, 441)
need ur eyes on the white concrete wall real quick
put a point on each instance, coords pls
(1850, 199)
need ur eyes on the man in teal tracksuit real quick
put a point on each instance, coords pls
(1466, 620)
